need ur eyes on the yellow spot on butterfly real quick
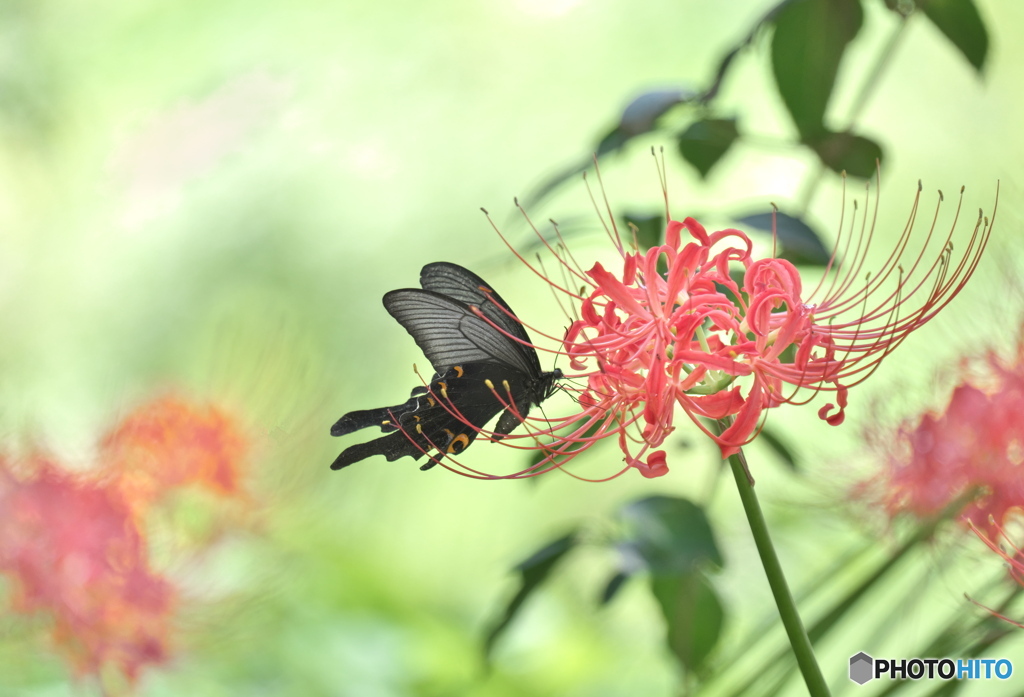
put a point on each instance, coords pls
(458, 444)
(430, 401)
(444, 389)
(459, 371)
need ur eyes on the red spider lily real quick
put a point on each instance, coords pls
(73, 550)
(975, 445)
(674, 329)
(170, 442)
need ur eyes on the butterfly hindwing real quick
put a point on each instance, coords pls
(445, 417)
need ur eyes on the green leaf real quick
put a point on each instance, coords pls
(533, 571)
(807, 47)
(960, 21)
(779, 446)
(671, 535)
(642, 114)
(845, 152)
(613, 586)
(650, 228)
(704, 143)
(612, 141)
(798, 242)
(693, 614)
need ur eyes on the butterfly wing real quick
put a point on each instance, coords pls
(446, 417)
(461, 284)
(483, 367)
(450, 334)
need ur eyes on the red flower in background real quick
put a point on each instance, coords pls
(646, 341)
(73, 551)
(74, 545)
(974, 448)
(170, 443)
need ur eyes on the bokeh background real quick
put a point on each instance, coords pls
(210, 198)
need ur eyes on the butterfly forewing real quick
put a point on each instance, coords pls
(449, 333)
(461, 284)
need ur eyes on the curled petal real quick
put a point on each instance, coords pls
(838, 417)
(655, 466)
(697, 231)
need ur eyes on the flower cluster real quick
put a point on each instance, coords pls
(77, 554)
(973, 450)
(675, 328)
(74, 545)
(171, 442)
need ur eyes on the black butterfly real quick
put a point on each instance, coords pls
(472, 361)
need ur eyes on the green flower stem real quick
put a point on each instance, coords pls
(776, 579)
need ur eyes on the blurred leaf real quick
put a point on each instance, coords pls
(533, 571)
(671, 535)
(640, 116)
(903, 8)
(615, 583)
(693, 614)
(800, 243)
(779, 446)
(650, 228)
(960, 21)
(845, 152)
(611, 142)
(808, 45)
(705, 142)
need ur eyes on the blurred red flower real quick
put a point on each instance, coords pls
(73, 551)
(75, 547)
(972, 449)
(170, 442)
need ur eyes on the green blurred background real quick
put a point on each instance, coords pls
(212, 197)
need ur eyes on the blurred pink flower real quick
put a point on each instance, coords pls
(74, 545)
(973, 448)
(73, 551)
